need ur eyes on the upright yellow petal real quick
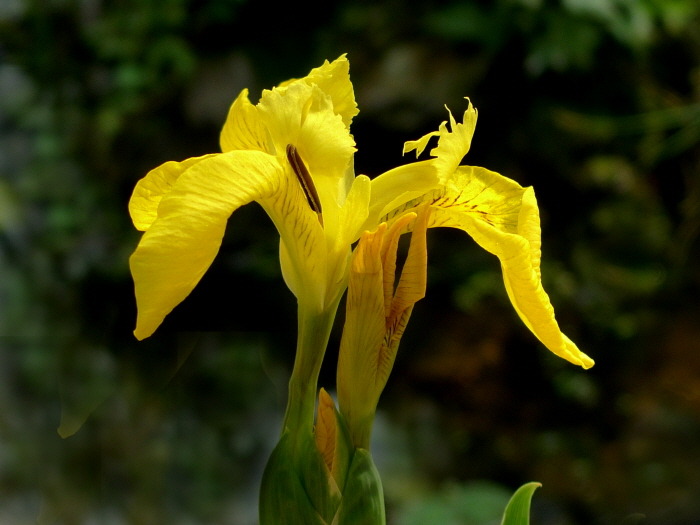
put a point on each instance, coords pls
(243, 128)
(365, 305)
(334, 79)
(301, 113)
(309, 116)
(183, 240)
(303, 116)
(352, 214)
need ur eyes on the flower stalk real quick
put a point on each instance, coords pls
(314, 330)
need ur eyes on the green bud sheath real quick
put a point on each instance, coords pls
(295, 487)
(363, 496)
(320, 479)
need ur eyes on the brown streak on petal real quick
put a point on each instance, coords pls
(305, 180)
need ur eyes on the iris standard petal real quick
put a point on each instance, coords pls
(334, 79)
(303, 116)
(243, 128)
(183, 240)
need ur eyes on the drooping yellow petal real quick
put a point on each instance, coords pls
(183, 240)
(143, 205)
(502, 217)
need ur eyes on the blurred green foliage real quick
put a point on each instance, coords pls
(594, 102)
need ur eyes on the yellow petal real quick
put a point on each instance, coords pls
(376, 317)
(390, 248)
(409, 290)
(365, 321)
(334, 79)
(420, 144)
(353, 212)
(454, 144)
(143, 205)
(182, 242)
(243, 128)
(394, 188)
(363, 336)
(342, 228)
(303, 115)
(503, 218)
(303, 255)
(413, 280)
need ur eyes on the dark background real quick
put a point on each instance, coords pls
(594, 103)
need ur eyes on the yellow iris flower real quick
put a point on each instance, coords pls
(293, 154)
(300, 126)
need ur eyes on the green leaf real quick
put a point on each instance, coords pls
(518, 509)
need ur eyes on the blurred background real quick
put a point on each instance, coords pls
(596, 103)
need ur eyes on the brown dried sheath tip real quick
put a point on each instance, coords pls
(307, 183)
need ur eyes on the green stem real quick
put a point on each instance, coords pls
(314, 329)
